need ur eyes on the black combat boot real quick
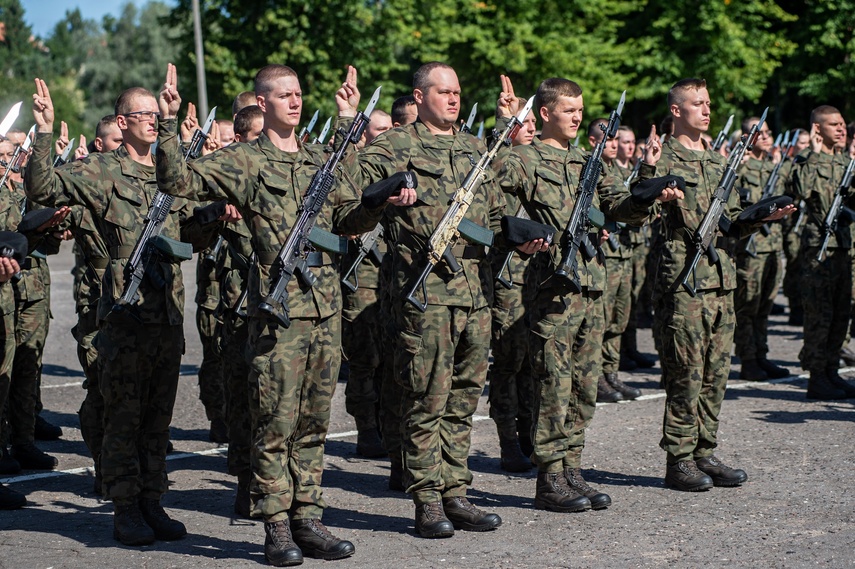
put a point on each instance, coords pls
(316, 541)
(31, 458)
(820, 388)
(834, 378)
(721, 474)
(774, 371)
(46, 431)
(553, 493)
(629, 345)
(599, 500)
(242, 505)
(684, 475)
(368, 443)
(219, 431)
(512, 458)
(752, 371)
(463, 515)
(431, 521)
(164, 527)
(606, 393)
(8, 465)
(279, 547)
(129, 527)
(627, 392)
(11, 500)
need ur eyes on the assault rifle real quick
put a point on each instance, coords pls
(575, 236)
(63, 158)
(829, 224)
(702, 240)
(292, 256)
(722, 136)
(447, 231)
(367, 245)
(200, 135)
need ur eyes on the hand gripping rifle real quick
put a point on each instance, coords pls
(292, 256)
(200, 135)
(367, 245)
(829, 224)
(447, 231)
(575, 236)
(702, 240)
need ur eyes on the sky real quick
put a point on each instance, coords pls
(42, 15)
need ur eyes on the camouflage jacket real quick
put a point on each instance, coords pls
(267, 185)
(233, 270)
(207, 284)
(702, 171)
(516, 270)
(92, 256)
(10, 216)
(118, 192)
(753, 175)
(34, 282)
(632, 235)
(816, 176)
(441, 164)
(546, 180)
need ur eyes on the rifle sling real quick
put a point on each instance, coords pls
(314, 259)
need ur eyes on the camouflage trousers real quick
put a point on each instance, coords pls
(211, 391)
(564, 346)
(793, 273)
(91, 411)
(695, 339)
(139, 380)
(391, 393)
(757, 281)
(32, 320)
(292, 379)
(617, 303)
(827, 299)
(236, 376)
(511, 386)
(639, 276)
(360, 341)
(7, 339)
(441, 364)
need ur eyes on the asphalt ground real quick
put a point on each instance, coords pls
(796, 510)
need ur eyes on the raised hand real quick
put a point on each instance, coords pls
(81, 151)
(652, 148)
(508, 104)
(815, 138)
(347, 98)
(169, 101)
(189, 124)
(43, 107)
(212, 143)
(62, 141)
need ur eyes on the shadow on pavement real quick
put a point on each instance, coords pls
(61, 371)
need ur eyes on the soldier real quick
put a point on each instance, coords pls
(757, 270)
(695, 333)
(404, 111)
(290, 414)
(9, 499)
(440, 354)
(227, 132)
(793, 271)
(616, 295)
(565, 342)
(140, 348)
(108, 136)
(381, 121)
(511, 395)
(826, 284)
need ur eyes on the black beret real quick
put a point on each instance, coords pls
(13, 245)
(210, 213)
(35, 219)
(645, 192)
(518, 230)
(377, 193)
(763, 209)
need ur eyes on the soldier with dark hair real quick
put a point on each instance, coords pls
(404, 111)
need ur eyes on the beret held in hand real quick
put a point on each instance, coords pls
(34, 219)
(518, 230)
(377, 193)
(210, 213)
(13, 245)
(645, 192)
(763, 209)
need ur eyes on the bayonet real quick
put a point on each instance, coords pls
(467, 126)
(200, 135)
(10, 118)
(722, 136)
(481, 131)
(321, 137)
(63, 158)
(307, 130)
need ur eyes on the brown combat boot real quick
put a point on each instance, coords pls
(684, 475)
(599, 500)
(315, 540)
(463, 515)
(512, 458)
(606, 393)
(431, 521)
(627, 392)
(554, 494)
(279, 547)
(165, 528)
(368, 443)
(751, 371)
(774, 371)
(721, 474)
(129, 527)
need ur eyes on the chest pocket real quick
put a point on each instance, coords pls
(126, 209)
(430, 173)
(275, 190)
(548, 190)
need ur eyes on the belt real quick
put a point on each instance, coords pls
(123, 252)
(314, 259)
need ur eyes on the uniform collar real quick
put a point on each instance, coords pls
(130, 167)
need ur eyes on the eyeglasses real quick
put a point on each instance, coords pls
(143, 115)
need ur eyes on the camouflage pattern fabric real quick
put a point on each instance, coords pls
(10, 216)
(390, 390)
(792, 242)
(211, 390)
(616, 308)
(361, 339)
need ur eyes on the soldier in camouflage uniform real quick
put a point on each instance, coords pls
(565, 342)
(211, 389)
(758, 270)
(290, 413)
(827, 284)
(140, 348)
(511, 395)
(441, 353)
(792, 239)
(695, 333)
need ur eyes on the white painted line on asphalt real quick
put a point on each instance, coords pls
(72, 384)
(346, 434)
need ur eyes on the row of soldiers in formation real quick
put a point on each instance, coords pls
(555, 349)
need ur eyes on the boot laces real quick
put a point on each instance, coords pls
(690, 468)
(574, 479)
(465, 504)
(154, 509)
(280, 533)
(320, 529)
(433, 511)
